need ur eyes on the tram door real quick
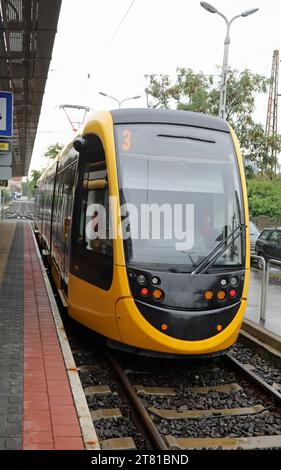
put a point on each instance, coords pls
(69, 188)
(62, 219)
(92, 245)
(91, 254)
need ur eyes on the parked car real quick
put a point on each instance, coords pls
(254, 235)
(268, 245)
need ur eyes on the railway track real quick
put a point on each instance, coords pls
(20, 210)
(176, 405)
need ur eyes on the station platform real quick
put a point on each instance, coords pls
(37, 409)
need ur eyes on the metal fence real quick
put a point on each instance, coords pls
(263, 221)
(268, 309)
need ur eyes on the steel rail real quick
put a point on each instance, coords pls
(146, 421)
(254, 377)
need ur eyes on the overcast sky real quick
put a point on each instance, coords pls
(157, 36)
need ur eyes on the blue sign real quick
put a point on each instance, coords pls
(6, 114)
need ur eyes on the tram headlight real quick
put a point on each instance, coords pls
(234, 281)
(141, 279)
(155, 280)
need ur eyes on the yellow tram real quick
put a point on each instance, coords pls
(144, 220)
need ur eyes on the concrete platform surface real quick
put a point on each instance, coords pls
(272, 321)
(37, 409)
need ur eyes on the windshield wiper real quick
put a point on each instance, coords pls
(219, 250)
(197, 139)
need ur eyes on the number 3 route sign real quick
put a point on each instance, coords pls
(6, 114)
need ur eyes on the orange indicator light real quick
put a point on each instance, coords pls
(164, 327)
(219, 327)
(221, 295)
(208, 295)
(157, 294)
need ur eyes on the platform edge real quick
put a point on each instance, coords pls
(89, 434)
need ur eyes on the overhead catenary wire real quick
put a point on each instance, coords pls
(119, 26)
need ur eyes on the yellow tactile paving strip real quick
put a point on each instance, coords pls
(7, 231)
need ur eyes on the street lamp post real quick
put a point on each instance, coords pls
(120, 101)
(223, 85)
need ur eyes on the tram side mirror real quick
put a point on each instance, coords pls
(79, 144)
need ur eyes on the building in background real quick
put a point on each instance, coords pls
(15, 186)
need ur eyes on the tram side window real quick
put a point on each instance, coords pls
(95, 215)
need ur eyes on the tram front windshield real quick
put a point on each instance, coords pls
(178, 180)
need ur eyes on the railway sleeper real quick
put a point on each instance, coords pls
(224, 388)
(106, 413)
(225, 443)
(118, 443)
(171, 414)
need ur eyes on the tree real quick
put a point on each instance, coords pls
(198, 92)
(258, 148)
(35, 175)
(264, 197)
(53, 150)
(28, 187)
(191, 92)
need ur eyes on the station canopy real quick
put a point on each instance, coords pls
(27, 34)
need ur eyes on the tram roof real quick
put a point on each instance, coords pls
(167, 116)
(28, 29)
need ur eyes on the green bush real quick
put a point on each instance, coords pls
(264, 197)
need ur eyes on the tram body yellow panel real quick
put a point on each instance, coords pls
(137, 332)
(247, 223)
(102, 126)
(95, 307)
(246, 208)
(88, 304)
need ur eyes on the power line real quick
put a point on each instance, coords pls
(268, 49)
(119, 26)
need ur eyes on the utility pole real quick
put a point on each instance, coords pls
(119, 101)
(223, 86)
(272, 108)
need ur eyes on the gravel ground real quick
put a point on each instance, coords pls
(265, 424)
(267, 371)
(181, 375)
(120, 427)
(96, 402)
(97, 377)
(213, 400)
(101, 374)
